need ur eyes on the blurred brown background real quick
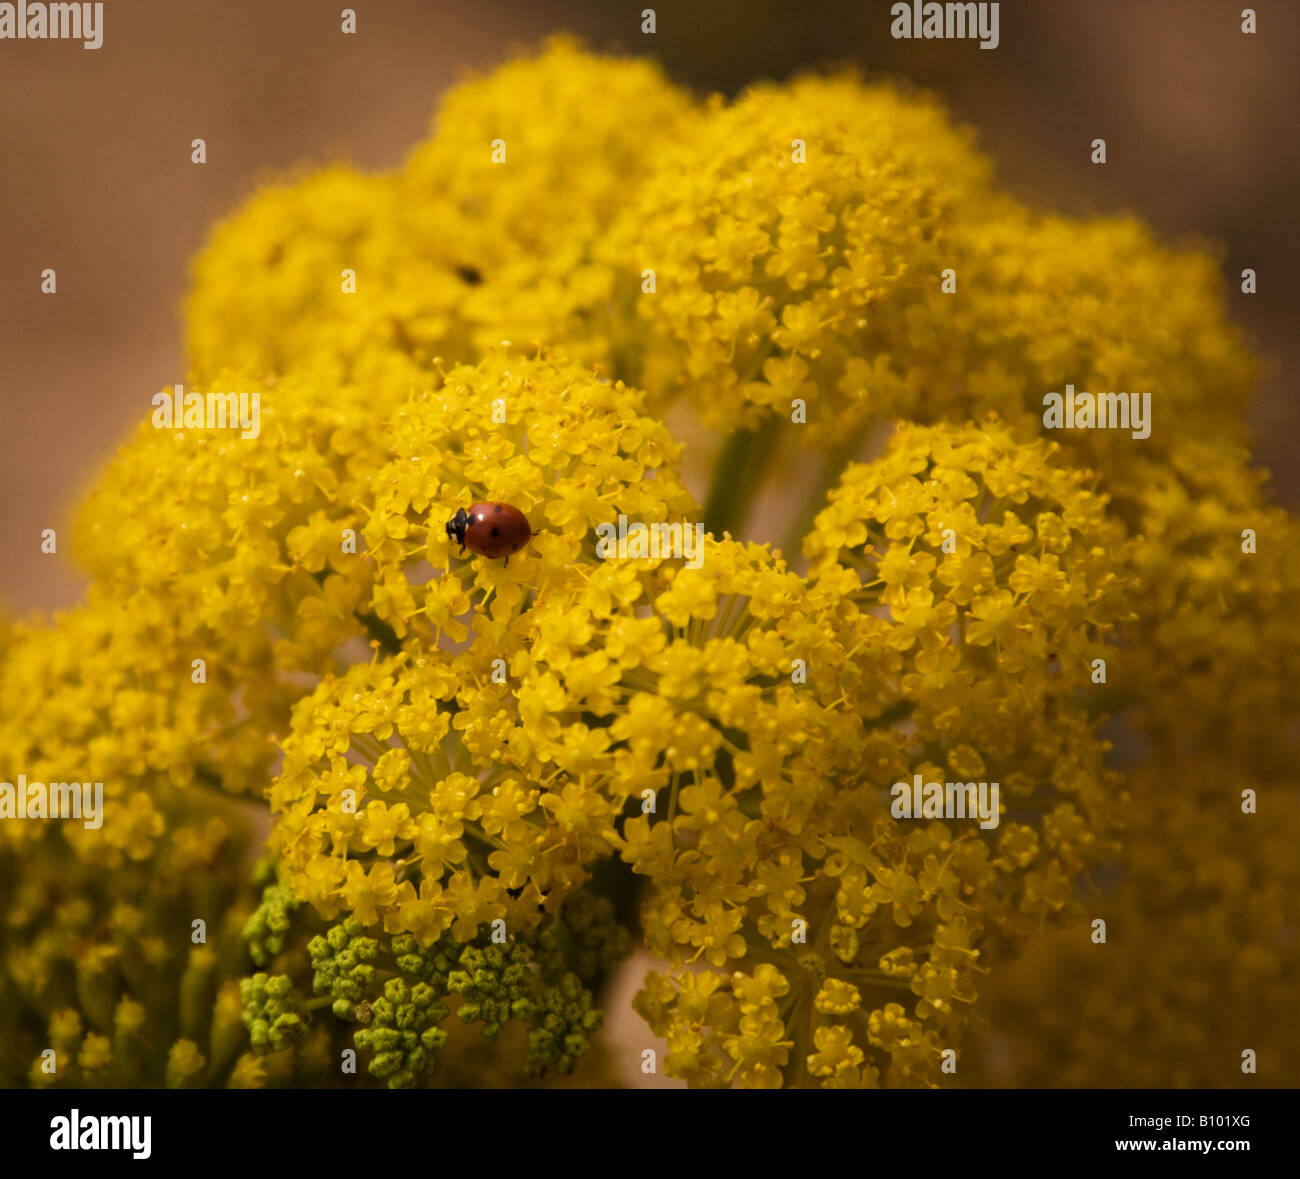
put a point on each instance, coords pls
(96, 179)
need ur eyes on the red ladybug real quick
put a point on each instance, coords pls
(491, 530)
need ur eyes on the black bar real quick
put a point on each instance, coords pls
(1244, 1128)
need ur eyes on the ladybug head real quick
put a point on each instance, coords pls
(456, 527)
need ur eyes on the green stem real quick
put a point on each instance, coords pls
(379, 630)
(737, 475)
(799, 1026)
(832, 469)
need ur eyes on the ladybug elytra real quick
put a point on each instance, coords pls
(490, 530)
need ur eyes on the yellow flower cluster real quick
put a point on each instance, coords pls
(249, 531)
(98, 960)
(569, 449)
(411, 833)
(1202, 673)
(442, 767)
(269, 289)
(240, 545)
(486, 234)
(800, 240)
(969, 580)
(524, 197)
(100, 696)
(797, 236)
(1217, 664)
(574, 683)
(1005, 580)
(1200, 954)
(1046, 301)
(469, 741)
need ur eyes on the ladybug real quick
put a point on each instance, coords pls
(491, 530)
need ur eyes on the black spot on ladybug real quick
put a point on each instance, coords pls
(496, 532)
(469, 274)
